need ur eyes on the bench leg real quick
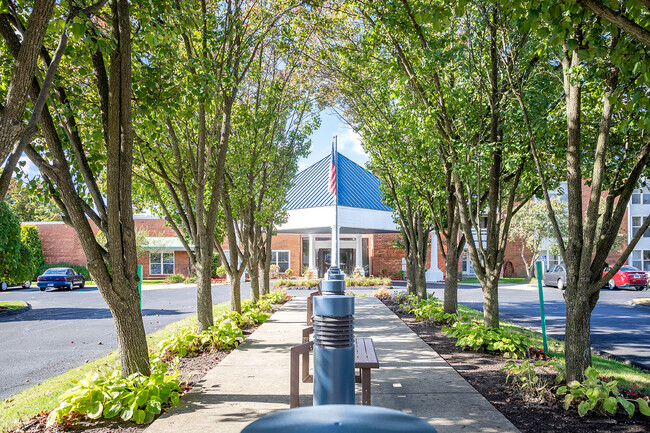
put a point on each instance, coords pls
(365, 386)
(294, 389)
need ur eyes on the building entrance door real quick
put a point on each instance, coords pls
(324, 261)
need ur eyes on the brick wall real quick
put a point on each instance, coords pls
(383, 255)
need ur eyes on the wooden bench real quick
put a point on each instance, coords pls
(310, 304)
(365, 359)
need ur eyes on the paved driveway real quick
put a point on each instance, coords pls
(66, 329)
(617, 326)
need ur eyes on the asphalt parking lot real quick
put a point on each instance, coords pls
(66, 329)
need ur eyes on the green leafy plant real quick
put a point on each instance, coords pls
(430, 313)
(190, 280)
(285, 282)
(29, 237)
(221, 271)
(382, 294)
(524, 376)
(214, 265)
(596, 392)
(289, 271)
(276, 296)
(477, 336)
(222, 336)
(137, 397)
(174, 278)
(367, 281)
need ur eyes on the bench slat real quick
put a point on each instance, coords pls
(365, 354)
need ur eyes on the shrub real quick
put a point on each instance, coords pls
(285, 282)
(289, 271)
(398, 274)
(366, 282)
(24, 269)
(11, 255)
(382, 295)
(598, 393)
(276, 296)
(214, 266)
(29, 237)
(524, 376)
(477, 336)
(175, 278)
(383, 272)
(430, 313)
(190, 280)
(221, 271)
(137, 397)
(79, 268)
(222, 336)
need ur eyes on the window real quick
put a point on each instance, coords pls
(641, 259)
(637, 222)
(161, 263)
(280, 258)
(640, 197)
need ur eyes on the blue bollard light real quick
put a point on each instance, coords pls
(333, 343)
(340, 419)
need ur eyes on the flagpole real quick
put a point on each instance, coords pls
(336, 201)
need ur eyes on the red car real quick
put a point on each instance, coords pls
(628, 277)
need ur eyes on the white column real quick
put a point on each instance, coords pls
(312, 254)
(335, 246)
(434, 274)
(359, 255)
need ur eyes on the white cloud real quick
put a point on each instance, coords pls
(349, 140)
(29, 168)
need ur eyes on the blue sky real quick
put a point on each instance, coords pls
(349, 142)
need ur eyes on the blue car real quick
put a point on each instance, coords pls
(66, 278)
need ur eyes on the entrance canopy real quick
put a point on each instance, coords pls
(361, 211)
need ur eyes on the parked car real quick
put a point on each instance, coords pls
(4, 285)
(556, 277)
(628, 277)
(60, 278)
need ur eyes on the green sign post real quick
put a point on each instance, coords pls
(140, 284)
(541, 304)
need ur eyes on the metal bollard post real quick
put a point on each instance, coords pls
(333, 343)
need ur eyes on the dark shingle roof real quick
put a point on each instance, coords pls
(357, 187)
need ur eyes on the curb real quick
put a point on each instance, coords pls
(14, 312)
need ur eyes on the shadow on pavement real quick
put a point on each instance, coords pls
(38, 314)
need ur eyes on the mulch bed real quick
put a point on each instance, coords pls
(191, 371)
(483, 372)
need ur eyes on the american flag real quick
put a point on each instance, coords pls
(332, 182)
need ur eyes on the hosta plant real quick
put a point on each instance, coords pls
(223, 336)
(135, 398)
(596, 393)
(477, 336)
(276, 296)
(524, 376)
(430, 313)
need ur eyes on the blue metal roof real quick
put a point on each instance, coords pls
(356, 187)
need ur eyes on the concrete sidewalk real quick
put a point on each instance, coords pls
(254, 379)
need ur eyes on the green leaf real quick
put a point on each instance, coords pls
(139, 416)
(628, 406)
(154, 406)
(77, 30)
(127, 413)
(571, 44)
(112, 409)
(610, 404)
(95, 410)
(643, 406)
(174, 398)
(583, 408)
(53, 417)
(567, 401)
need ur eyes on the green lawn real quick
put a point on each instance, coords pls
(514, 280)
(152, 281)
(627, 375)
(13, 305)
(44, 396)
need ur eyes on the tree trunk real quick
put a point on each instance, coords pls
(451, 277)
(235, 293)
(421, 282)
(255, 282)
(491, 299)
(577, 348)
(130, 333)
(204, 289)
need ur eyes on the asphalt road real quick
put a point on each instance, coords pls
(67, 329)
(618, 327)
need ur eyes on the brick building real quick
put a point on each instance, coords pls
(367, 232)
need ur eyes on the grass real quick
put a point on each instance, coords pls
(44, 396)
(152, 282)
(13, 305)
(513, 280)
(642, 301)
(627, 375)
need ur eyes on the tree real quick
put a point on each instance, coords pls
(9, 243)
(29, 237)
(75, 156)
(26, 204)
(185, 152)
(604, 95)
